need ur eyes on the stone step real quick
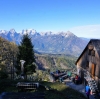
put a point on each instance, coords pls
(93, 87)
(94, 84)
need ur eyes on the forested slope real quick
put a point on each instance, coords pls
(8, 52)
(54, 62)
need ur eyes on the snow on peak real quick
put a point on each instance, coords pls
(46, 33)
(69, 33)
(28, 31)
(4, 32)
(31, 31)
(66, 34)
(12, 31)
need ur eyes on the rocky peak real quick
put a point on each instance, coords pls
(12, 31)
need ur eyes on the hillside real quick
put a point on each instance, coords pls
(49, 42)
(54, 62)
(43, 61)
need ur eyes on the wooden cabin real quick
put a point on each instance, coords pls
(90, 60)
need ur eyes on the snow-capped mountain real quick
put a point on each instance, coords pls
(12, 32)
(49, 42)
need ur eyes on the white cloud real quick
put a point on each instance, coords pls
(88, 31)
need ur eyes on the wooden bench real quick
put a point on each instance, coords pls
(23, 86)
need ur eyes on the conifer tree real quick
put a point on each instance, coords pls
(26, 53)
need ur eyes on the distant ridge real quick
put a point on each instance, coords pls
(49, 42)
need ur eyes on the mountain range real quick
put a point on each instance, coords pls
(49, 42)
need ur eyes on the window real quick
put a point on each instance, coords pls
(91, 52)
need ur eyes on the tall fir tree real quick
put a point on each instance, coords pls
(26, 53)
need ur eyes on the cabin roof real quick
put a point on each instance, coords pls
(95, 43)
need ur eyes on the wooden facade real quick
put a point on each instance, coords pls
(90, 61)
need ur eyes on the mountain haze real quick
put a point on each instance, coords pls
(49, 42)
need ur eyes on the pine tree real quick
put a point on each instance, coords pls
(26, 53)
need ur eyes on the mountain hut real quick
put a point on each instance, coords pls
(88, 63)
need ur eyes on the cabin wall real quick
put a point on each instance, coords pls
(96, 61)
(91, 60)
(82, 63)
(83, 60)
(98, 84)
(97, 69)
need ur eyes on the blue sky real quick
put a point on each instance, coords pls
(82, 17)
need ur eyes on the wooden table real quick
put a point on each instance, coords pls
(23, 86)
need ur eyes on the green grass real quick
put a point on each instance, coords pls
(58, 91)
(63, 91)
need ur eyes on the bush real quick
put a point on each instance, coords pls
(3, 75)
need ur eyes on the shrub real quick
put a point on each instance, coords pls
(3, 75)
